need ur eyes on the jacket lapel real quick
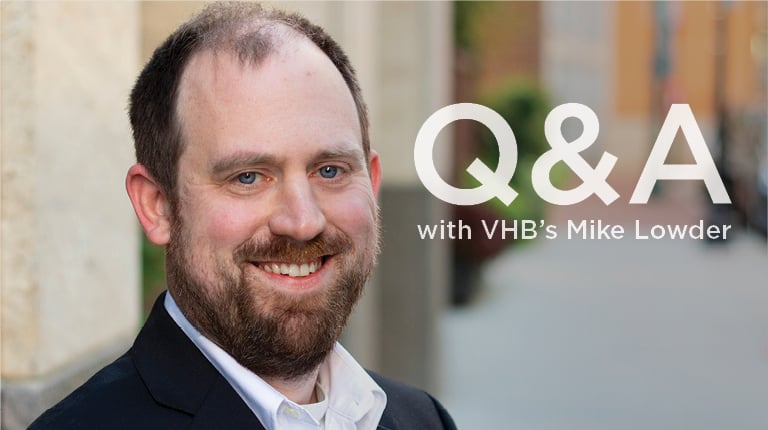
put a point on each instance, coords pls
(224, 409)
(388, 421)
(179, 377)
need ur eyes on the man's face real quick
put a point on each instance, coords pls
(275, 230)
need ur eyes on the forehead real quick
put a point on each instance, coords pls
(295, 95)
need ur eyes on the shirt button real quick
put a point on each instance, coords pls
(291, 412)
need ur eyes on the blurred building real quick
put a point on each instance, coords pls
(629, 61)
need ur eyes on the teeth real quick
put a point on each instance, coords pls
(292, 269)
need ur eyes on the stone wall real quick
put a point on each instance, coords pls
(70, 296)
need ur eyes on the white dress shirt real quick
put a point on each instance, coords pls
(348, 399)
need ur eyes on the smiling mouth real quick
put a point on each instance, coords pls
(293, 270)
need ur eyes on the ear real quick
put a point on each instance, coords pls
(150, 204)
(375, 172)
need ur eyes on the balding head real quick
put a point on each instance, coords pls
(248, 31)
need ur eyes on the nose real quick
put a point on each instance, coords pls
(296, 213)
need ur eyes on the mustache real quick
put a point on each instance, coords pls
(282, 248)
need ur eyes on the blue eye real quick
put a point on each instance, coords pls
(246, 178)
(329, 172)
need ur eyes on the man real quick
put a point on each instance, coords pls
(255, 170)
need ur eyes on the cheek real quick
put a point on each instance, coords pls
(354, 213)
(224, 226)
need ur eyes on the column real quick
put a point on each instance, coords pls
(70, 293)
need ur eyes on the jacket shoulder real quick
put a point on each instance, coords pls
(410, 407)
(114, 398)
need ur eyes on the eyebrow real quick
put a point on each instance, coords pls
(241, 160)
(237, 161)
(351, 154)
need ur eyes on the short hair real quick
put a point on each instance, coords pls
(246, 29)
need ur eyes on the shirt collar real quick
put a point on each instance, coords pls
(354, 400)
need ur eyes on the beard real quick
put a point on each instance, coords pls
(273, 333)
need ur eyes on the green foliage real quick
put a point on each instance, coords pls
(464, 13)
(524, 106)
(152, 272)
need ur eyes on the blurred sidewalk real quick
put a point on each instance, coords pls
(678, 202)
(621, 334)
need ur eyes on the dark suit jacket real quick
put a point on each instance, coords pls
(164, 382)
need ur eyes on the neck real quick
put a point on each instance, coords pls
(299, 390)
